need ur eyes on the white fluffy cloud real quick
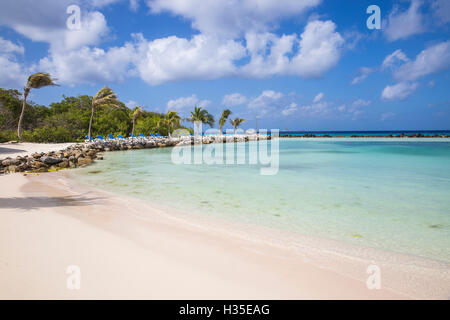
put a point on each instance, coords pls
(267, 101)
(320, 108)
(233, 18)
(363, 73)
(403, 24)
(234, 99)
(398, 91)
(361, 103)
(187, 102)
(173, 58)
(320, 47)
(264, 62)
(318, 97)
(9, 47)
(394, 59)
(74, 56)
(431, 60)
(290, 109)
(45, 21)
(205, 57)
(12, 74)
(90, 65)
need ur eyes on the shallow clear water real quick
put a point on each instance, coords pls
(390, 194)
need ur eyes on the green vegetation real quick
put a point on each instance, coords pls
(68, 120)
(200, 115)
(137, 113)
(223, 119)
(35, 81)
(236, 123)
(171, 121)
(105, 98)
(75, 118)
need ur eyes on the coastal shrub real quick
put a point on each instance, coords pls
(68, 119)
(48, 134)
(8, 135)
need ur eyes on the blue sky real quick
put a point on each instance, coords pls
(299, 64)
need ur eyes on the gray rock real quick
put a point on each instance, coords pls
(50, 160)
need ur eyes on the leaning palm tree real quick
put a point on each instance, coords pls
(171, 119)
(236, 123)
(200, 115)
(137, 113)
(223, 119)
(35, 81)
(105, 97)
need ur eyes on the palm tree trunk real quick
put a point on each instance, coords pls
(220, 130)
(90, 123)
(132, 130)
(235, 128)
(19, 125)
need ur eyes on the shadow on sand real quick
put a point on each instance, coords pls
(6, 151)
(29, 203)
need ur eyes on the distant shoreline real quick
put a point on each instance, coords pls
(310, 135)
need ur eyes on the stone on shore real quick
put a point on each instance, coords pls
(81, 155)
(50, 160)
(84, 161)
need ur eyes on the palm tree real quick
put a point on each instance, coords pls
(137, 113)
(236, 123)
(200, 115)
(35, 81)
(104, 98)
(171, 119)
(223, 119)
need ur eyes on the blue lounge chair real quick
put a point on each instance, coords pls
(111, 136)
(152, 135)
(100, 138)
(141, 135)
(120, 136)
(87, 138)
(132, 136)
(158, 135)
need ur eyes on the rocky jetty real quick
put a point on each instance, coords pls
(83, 154)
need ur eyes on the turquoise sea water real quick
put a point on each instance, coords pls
(389, 194)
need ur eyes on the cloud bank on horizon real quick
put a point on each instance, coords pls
(264, 41)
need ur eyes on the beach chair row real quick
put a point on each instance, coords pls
(120, 137)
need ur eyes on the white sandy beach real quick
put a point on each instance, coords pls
(48, 222)
(13, 150)
(126, 248)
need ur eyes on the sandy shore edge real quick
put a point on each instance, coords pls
(48, 222)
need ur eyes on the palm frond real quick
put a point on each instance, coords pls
(39, 80)
(223, 119)
(106, 97)
(138, 111)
